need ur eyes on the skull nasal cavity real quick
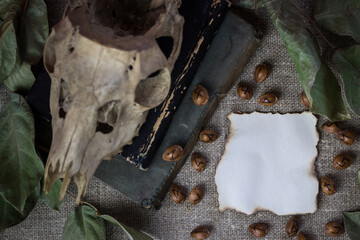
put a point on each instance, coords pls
(62, 113)
(104, 128)
(64, 99)
(166, 45)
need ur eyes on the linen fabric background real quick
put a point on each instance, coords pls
(176, 222)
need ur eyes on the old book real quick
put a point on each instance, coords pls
(221, 66)
(202, 20)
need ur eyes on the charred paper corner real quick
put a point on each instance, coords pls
(268, 164)
(108, 68)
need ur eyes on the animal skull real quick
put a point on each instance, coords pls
(107, 71)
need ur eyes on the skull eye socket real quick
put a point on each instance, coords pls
(154, 74)
(166, 45)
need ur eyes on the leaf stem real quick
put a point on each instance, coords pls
(84, 203)
(90, 205)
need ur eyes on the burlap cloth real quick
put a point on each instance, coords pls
(174, 221)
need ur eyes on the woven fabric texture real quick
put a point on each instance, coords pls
(176, 222)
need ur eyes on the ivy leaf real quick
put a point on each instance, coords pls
(317, 80)
(21, 168)
(84, 224)
(341, 17)
(52, 199)
(23, 32)
(352, 224)
(130, 232)
(10, 216)
(33, 31)
(21, 78)
(347, 63)
(9, 9)
(10, 6)
(8, 48)
(29, 19)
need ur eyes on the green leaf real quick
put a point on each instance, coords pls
(130, 232)
(9, 9)
(21, 78)
(10, 6)
(84, 224)
(8, 48)
(29, 18)
(347, 63)
(317, 80)
(23, 33)
(341, 17)
(21, 168)
(352, 224)
(33, 31)
(10, 216)
(52, 199)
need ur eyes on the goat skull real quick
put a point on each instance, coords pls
(107, 71)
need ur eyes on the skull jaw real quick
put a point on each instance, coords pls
(63, 158)
(94, 157)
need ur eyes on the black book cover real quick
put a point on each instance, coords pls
(202, 20)
(229, 52)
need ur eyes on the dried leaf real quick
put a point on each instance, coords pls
(130, 232)
(341, 17)
(352, 224)
(319, 83)
(84, 224)
(347, 63)
(52, 198)
(10, 216)
(21, 168)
